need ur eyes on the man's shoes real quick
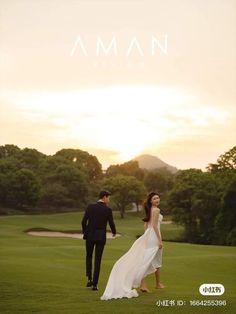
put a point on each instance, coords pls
(95, 288)
(89, 284)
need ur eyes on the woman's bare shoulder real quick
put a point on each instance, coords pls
(156, 210)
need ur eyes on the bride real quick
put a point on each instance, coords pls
(143, 258)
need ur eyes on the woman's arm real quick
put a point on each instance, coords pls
(156, 214)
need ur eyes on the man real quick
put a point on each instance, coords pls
(94, 225)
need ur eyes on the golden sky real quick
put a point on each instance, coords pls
(135, 98)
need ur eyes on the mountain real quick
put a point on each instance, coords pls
(152, 162)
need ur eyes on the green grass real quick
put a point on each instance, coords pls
(47, 275)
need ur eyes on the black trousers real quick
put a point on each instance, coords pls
(99, 246)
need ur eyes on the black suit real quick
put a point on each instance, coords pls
(94, 225)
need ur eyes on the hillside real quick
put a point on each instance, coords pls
(152, 162)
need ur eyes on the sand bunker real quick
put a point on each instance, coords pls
(64, 234)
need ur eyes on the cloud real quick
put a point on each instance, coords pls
(118, 123)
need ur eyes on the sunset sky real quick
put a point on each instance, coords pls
(179, 105)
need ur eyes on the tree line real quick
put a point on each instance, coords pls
(203, 202)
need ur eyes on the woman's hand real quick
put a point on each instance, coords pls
(160, 245)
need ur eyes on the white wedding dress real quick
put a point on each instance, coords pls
(143, 258)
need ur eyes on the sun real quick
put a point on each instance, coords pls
(127, 142)
(119, 119)
(119, 123)
(128, 136)
(126, 150)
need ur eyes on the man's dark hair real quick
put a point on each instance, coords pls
(104, 193)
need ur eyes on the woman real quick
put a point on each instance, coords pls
(143, 258)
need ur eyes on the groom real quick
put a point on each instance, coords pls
(94, 225)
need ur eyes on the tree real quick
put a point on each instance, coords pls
(195, 202)
(25, 189)
(7, 168)
(227, 161)
(68, 181)
(207, 204)
(180, 201)
(160, 180)
(225, 224)
(55, 196)
(67, 178)
(125, 190)
(225, 173)
(29, 158)
(8, 151)
(84, 161)
(129, 168)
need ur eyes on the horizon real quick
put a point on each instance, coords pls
(104, 168)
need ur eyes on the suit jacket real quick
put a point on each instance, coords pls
(95, 220)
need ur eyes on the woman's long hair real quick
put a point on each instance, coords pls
(148, 205)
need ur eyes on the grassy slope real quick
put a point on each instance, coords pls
(46, 275)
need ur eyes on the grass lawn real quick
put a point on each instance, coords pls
(47, 275)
